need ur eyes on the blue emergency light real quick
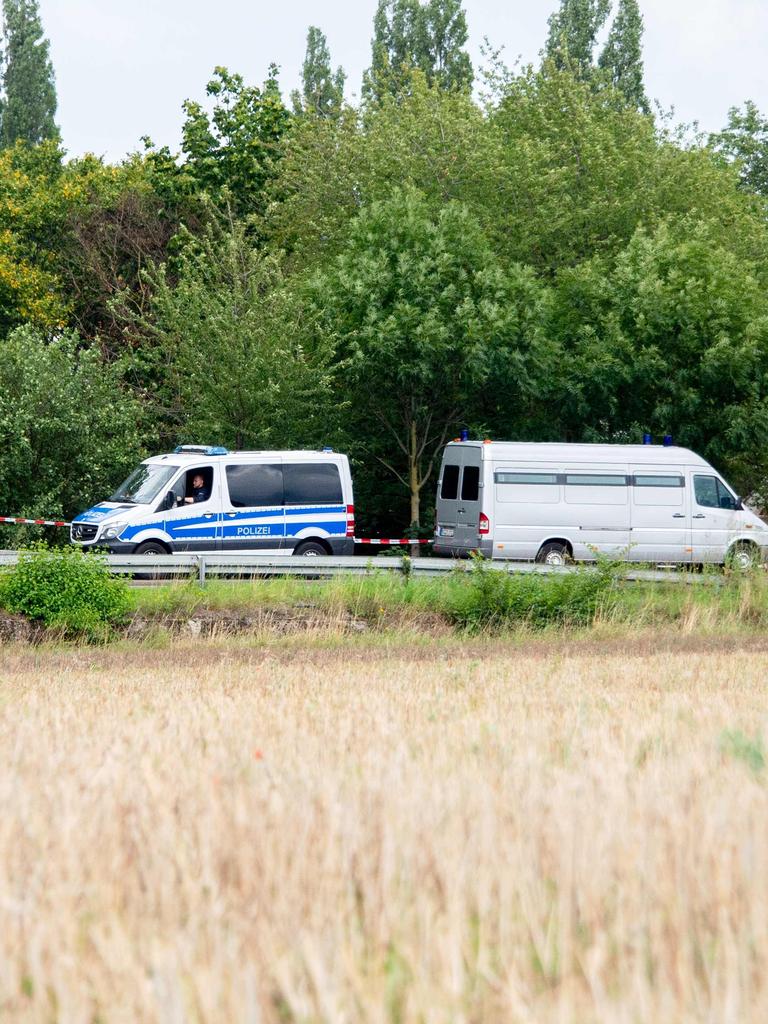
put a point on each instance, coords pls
(647, 438)
(200, 449)
(464, 434)
(668, 442)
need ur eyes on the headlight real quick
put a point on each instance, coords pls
(112, 531)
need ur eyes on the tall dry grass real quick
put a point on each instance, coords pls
(203, 836)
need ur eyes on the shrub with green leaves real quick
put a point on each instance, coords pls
(495, 598)
(65, 588)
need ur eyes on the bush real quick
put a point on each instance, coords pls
(64, 588)
(495, 598)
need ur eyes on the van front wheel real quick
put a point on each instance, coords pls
(151, 547)
(554, 553)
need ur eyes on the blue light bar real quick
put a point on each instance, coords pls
(200, 449)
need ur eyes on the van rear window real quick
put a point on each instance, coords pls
(312, 483)
(450, 488)
(470, 483)
(255, 485)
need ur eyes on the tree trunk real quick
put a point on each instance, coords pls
(413, 478)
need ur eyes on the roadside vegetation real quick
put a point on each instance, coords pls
(73, 595)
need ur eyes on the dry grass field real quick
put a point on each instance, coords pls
(215, 833)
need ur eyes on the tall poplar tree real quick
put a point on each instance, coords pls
(622, 57)
(322, 90)
(29, 103)
(409, 34)
(573, 31)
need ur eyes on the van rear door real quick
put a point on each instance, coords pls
(470, 491)
(458, 498)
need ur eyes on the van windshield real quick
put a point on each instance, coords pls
(144, 484)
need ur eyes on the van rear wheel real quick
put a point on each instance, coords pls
(554, 553)
(310, 549)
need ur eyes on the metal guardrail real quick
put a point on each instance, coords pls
(253, 566)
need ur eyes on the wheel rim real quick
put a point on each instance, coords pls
(310, 554)
(555, 558)
(743, 559)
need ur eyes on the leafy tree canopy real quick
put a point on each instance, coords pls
(409, 34)
(322, 89)
(69, 429)
(28, 107)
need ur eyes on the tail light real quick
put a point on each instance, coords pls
(484, 525)
(350, 520)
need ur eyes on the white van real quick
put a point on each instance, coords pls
(209, 499)
(556, 502)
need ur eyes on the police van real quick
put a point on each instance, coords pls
(558, 502)
(202, 498)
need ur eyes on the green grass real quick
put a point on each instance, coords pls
(714, 602)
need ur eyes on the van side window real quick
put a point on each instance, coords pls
(648, 480)
(470, 483)
(450, 488)
(595, 480)
(312, 483)
(526, 478)
(255, 486)
(712, 493)
(659, 489)
(596, 489)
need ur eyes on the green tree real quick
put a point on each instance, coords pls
(672, 337)
(622, 56)
(409, 34)
(434, 140)
(238, 358)
(29, 105)
(69, 428)
(425, 316)
(573, 32)
(745, 141)
(322, 89)
(235, 149)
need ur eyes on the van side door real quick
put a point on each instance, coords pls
(661, 515)
(254, 516)
(714, 519)
(195, 523)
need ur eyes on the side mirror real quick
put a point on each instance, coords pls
(170, 501)
(739, 505)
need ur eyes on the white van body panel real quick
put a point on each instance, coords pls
(642, 503)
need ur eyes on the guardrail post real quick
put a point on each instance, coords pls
(201, 570)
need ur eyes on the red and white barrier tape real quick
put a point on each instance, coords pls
(16, 521)
(391, 540)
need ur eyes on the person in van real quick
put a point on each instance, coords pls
(199, 490)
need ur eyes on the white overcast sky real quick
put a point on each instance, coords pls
(123, 67)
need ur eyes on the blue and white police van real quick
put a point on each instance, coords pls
(202, 498)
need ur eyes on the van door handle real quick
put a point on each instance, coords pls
(679, 515)
(462, 510)
(231, 515)
(700, 515)
(208, 515)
